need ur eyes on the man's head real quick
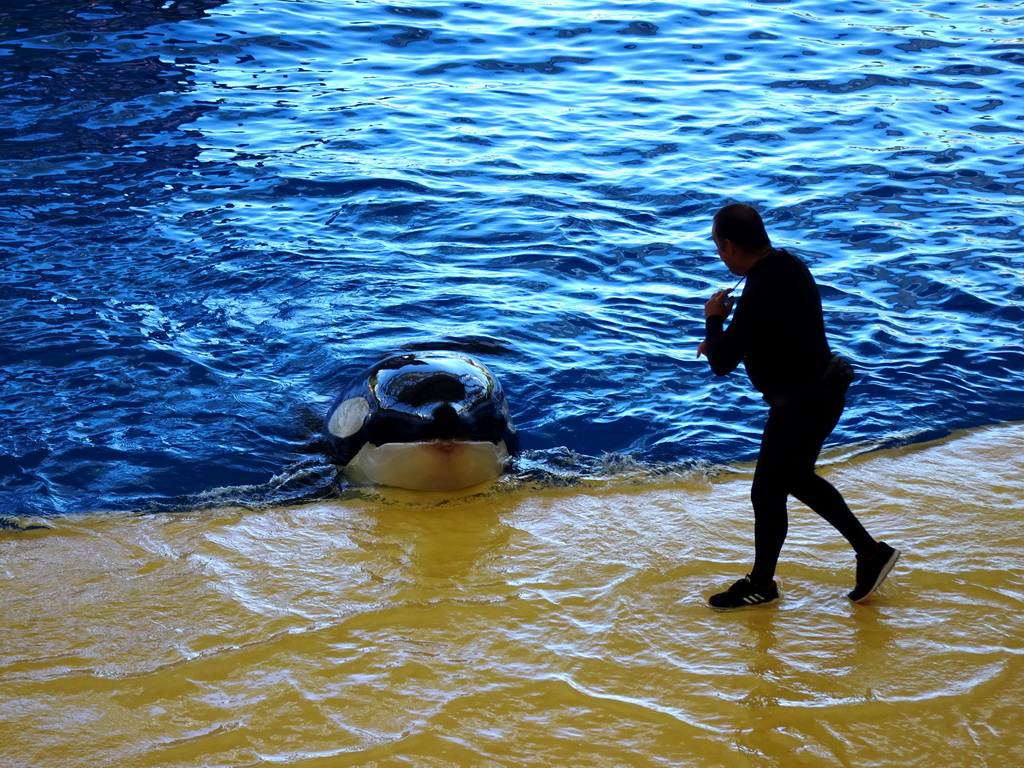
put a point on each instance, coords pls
(740, 237)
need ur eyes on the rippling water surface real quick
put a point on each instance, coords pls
(214, 212)
(546, 627)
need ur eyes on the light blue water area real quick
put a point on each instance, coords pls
(214, 212)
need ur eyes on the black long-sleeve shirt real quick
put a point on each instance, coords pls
(777, 328)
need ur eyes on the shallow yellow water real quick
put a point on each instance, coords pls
(534, 627)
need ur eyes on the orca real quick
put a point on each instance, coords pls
(424, 421)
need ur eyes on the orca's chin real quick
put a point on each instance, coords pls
(435, 465)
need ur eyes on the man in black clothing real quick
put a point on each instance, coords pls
(779, 334)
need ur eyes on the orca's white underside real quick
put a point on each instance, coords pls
(436, 465)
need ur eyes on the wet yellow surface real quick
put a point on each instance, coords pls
(546, 627)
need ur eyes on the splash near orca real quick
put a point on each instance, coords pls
(425, 421)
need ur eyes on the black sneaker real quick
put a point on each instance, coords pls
(744, 592)
(871, 571)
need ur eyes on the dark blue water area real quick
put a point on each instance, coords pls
(214, 212)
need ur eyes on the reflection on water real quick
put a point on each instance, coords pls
(551, 627)
(213, 212)
(216, 212)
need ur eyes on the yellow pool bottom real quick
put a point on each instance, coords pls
(538, 627)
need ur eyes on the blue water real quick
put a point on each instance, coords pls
(214, 212)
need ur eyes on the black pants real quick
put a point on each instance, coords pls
(792, 440)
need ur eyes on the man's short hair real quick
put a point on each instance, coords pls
(741, 224)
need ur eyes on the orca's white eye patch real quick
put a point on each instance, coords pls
(348, 417)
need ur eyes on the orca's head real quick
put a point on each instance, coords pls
(426, 421)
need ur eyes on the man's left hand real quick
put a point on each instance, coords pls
(720, 304)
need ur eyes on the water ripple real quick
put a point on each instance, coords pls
(217, 210)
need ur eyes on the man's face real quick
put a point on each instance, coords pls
(727, 252)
